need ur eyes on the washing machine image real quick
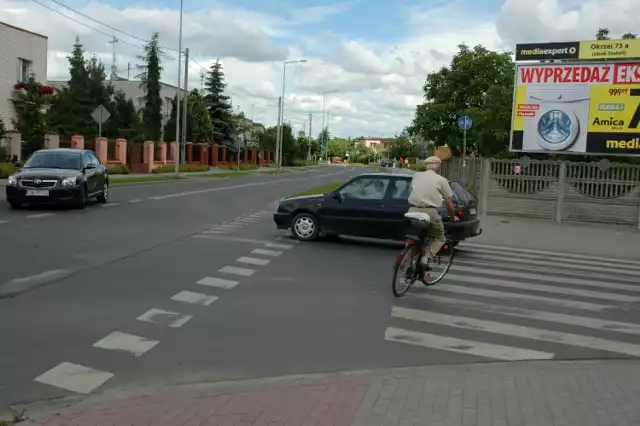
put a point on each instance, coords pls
(560, 123)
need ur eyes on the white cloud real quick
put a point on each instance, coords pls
(378, 84)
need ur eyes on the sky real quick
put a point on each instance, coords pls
(372, 56)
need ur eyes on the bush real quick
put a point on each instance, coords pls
(234, 166)
(417, 167)
(183, 168)
(304, 163)
(270, 165)
(7, 169)
(118, 169)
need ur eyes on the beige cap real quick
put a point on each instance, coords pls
(433, 160)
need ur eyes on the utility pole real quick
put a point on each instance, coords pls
(201, 81)
(253, 114)
(310, 137)
(186, 98)
(177, 154)
(323, 148)
(278, 129)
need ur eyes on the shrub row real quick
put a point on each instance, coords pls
(182, 168)
(7, 169)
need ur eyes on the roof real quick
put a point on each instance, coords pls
(380, 174)
(23, 30)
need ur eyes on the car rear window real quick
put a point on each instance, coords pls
(461, 193)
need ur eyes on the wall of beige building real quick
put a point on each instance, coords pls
(22, 53)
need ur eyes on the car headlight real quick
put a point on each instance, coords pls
(70, 181)
(13, 180)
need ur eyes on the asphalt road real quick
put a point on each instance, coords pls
(161, 298)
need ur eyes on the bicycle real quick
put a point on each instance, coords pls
(411, 255)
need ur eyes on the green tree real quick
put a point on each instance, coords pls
(100, 91)
(603, 34)
(403, 146)
(199, 127)
(219, 105)
(149, 76)
(31, 116)
(338, 147)
(474, 83)
(124, 121)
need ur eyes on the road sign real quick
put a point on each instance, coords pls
(465, 122)
(100, 115)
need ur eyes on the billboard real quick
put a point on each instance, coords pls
(577, 107)
(579, 50)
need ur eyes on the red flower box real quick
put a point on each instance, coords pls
(44, 90)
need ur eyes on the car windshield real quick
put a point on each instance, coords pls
(54, 160)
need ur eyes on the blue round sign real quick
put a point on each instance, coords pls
(465, 122)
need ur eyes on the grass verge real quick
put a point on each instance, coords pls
(16, 417)
(143, 179)
(222, 175)
(317, 190)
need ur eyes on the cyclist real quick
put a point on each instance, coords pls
(428, 189)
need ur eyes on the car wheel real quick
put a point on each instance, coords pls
(82, 202)
(104, 197)
(14, 205)
(305, 227)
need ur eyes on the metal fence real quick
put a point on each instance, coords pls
(595, 192)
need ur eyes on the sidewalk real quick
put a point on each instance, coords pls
(545, 235)
(550, 393)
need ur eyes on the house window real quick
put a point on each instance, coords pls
(24, 70)
(167, 106)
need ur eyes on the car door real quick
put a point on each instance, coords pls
(90, 175)
(356, 208)
(100, 171)
(396, 206)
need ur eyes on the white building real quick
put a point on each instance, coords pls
(22, 53)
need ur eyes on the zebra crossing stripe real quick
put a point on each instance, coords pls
(560, 256)
(513, 330)
(506, 296)
(452, 344)
(542, 277)
(541, 287)
(559, 259)
(547, 316)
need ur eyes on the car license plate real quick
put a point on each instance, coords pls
(472, 212)
(37, 193)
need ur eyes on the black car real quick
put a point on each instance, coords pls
(385, 162)
(56, 176)
(373, 206)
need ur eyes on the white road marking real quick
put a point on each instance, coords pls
(215, 231)
(548, 254)
(452, 344)
(237, 271)
(39, 216)
(53, 273)
(543, 277)
(503, 295)
(568, 266)
(224, 188)
(229, 226)
(137, 200)
(540, 287)
(237, 239)
(279, 246)
(195, 298)
(170, 319)
(218, 282)
(119, 341)
(3, 221)
(263, 252)
(587, 322)
(253, 261)
(564, 260)
(74, 377)
(110, 205)
(513, 330)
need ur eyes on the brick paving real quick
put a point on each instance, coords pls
(552, 393)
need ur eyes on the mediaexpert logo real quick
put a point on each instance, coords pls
(542, 51)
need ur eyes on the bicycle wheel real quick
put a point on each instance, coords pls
(404, 271)
(440, 265)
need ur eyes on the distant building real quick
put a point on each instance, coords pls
(377, 144)
(131, 89)
(22, 54)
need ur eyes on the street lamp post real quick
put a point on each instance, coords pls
(280, 124)
(176, 154)
(324, 136)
